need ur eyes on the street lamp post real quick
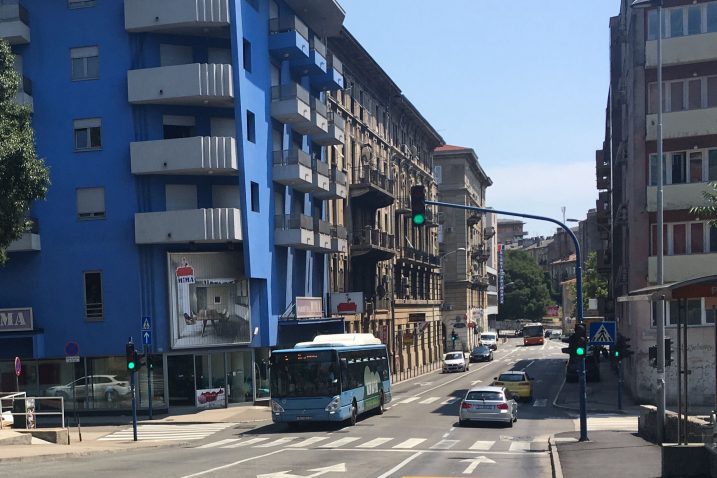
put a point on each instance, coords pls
(443, 273)
(660, 318)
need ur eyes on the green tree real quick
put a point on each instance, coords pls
(23, 176)
(526, 293)
(709, 210)
(594, 286)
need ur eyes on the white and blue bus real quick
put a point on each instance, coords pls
(334, 378)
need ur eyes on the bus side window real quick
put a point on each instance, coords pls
(344, 374)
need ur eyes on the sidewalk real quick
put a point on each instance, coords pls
(94, 428)
(608, 452)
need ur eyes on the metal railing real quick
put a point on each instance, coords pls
(339, 232)
(335, 63)
(321, 226)
(318, 105)
(292, 156)
(318, 46)
(367, 175)
(336, 119)
(39, 407)
(294, 221)
(375, 238)
(290, 91)
(11, 14)
(339, 177)
(289, 23)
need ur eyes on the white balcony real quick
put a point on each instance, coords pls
(677, 196)
(338, 186)
(682, 267)
(14, 23)
(197, 155)
(318, 124)
(294, 230)
(290, 105)
(339, 239)
(29, 241)
(206, 226)
(335, 131)
(293, 168)
(22, 98)
(322, 237)
(194, 84)
(680, 50)
(682, 124)
(321, 181)
(182, 17)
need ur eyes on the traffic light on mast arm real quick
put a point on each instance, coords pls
(418, 205)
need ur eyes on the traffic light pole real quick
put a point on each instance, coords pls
(134, 404)
(578, 286)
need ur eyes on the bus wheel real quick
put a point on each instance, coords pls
(381, 408)
(354, 415)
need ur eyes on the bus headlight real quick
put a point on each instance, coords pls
(276, 408)
(334, 404)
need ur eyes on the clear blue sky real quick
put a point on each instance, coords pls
(523, 82)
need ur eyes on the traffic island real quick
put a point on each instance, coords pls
(684, 460)
(59, 436)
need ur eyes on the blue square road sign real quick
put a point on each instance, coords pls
(602, 333)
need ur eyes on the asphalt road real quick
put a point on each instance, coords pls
(418, 435)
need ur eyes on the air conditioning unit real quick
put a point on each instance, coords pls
(414, 151)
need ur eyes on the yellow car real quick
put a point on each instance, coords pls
(518, 383)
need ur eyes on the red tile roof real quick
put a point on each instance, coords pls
(449, 147)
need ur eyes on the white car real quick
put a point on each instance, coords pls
(7, 419)
(455, 362)
(100, 387)
(489, 339)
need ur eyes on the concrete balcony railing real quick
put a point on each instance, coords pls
(322, 238)
(288, 38)
(24, 94)
(339, 239)
(335, 131)
(290, 105)
(682, 124)
(197, 155)
(14, 23)
(29, 241)
(682, 267)
(294, 230)
(681, 50)
(194, 84)
(677, 196)
(318, 124)
(293, 168)
(217, 225)
(321, 180)
(338, 186)
(193, 17)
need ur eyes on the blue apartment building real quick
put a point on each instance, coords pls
(187, 142)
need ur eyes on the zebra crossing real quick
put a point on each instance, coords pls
(609, 422)
(328, 442)
(539, 402)
(174, 432)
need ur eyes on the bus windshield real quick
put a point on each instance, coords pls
(533, 331)
(304, 374)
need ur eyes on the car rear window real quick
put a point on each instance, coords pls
(484, 396)
(487, 337)
(454, 356)
(510, 377)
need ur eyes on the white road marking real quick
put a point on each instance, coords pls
(340, 442)
(250, 441)
(482, 445)
(541, 402)
(277, 442)
(307, 442)
(429, 400)
(475, 381)
(410, 443)
(410, 399)
(400, 465)
(374, 443)
(212, 470)
(444, 445)
(220, 443)
(520, 446)
(450, 400)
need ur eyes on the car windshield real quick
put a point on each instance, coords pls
(484, 395)
(487, 337)
(308, 374)
(454, 356)
(510, 377)
(481, 350)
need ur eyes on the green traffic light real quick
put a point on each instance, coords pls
(130, 365)
(617, 354)
(419, 219)
(580, 351)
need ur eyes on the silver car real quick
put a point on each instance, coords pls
(488, 404)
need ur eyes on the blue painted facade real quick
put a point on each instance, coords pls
(136, 277)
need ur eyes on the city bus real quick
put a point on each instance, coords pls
(533, 334)
(334, 378)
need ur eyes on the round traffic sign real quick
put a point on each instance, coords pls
(18, 366)
(72, 349)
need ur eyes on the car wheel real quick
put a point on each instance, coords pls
(510, 424)
(381, 408)
(354, 415)
(461, 422)
(111, 396)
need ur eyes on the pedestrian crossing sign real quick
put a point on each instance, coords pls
(602, 333)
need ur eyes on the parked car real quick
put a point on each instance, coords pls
(455, 362)
(592, 369)
(99, 387)
(488, 404)
(490, 339)
(519, 383)
(7, 418)
(482, 353)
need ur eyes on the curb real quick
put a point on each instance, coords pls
(588, 410)
(82, 453)
(555, 458)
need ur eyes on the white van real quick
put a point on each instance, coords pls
(489, 339)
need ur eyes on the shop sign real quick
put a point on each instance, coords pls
(211, 398)
(13, 320)
(309, 307)
(417, 317)
(185, 273)
(342, 303)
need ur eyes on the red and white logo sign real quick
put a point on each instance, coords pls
(185, 273)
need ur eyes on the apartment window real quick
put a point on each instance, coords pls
(678, 170)
(675, 17)
(694, 94)
(80, 3)
(88, 134)
(712, 165)
(679, 246)
(692, 313)
(697, 240)
(677, 102)
(85, 63)
(247, 55)
(710, 309)
(254, 197)
(94, 309)
(91, 203)
(696, 167)
(652, 25)
(712, 17)
(712, 91)
(250, 127)
(713, 239)
(174, 127)
(694, 20)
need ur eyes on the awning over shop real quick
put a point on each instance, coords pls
(25, 344)
(293, 331)
(705, 286)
